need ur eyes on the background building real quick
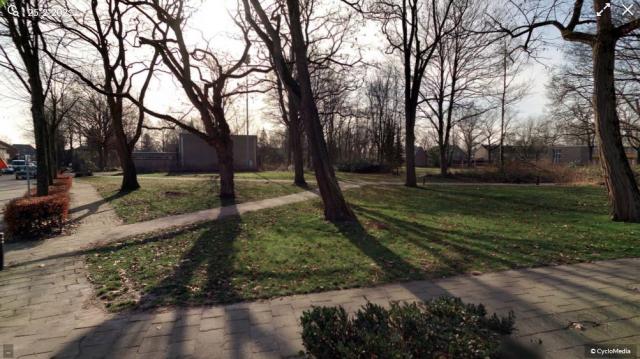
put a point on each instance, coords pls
(7, 151)
(196, 155)
(25, 150)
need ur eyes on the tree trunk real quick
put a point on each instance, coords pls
(624, 195)
(102, 158)
(224, 151)
(503, 107)
(335, 206)
(295, 132)
(129, 173)
(53, 163)
(410, 140)
(444, 162)
(40, 130)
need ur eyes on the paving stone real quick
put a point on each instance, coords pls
(240, 327)
(212, 323)
(154, 344)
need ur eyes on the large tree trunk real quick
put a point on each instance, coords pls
(503, 105)
(624, 195)
(409, 144)
(129, 173)
(444, 160)
(224, 151)
(53, 162)
(40, 130)
(335, 206)
(295, 132)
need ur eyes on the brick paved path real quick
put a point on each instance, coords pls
(47, 310)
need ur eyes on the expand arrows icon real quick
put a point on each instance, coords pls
(607, 6)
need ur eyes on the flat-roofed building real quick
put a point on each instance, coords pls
(196, 155)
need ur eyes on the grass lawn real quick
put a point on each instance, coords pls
(265, 175)
(158, 198)
(288, 175)
(403, 234)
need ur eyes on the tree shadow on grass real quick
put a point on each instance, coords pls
(469, 201)
(202, 275)
(394, 267)
(459, 251)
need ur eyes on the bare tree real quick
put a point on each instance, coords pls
(299, 88)
(106, 30)
(326, 30)
(510, 91)
(602, 34)
(533, 137)
(60, 103)
(204, 77)
(571, 94)
(290, 117)
(93, 123)
(489, 132)
(458, 76)
(413, 28)
(23, 31)
(384, 111)
(470, 133)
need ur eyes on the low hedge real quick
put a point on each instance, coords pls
(29, 218)
(363, 167)
(442, 328)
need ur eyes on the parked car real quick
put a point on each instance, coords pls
(18, 165)
(8, 170)
(30, 170)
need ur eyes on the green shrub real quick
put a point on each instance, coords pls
(442, 328)
(363, 167)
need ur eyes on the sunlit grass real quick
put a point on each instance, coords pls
(158, 198)
(403, 234)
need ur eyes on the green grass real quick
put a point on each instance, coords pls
(288, 175)
(158, 198)
(266, 175)
(403, 234)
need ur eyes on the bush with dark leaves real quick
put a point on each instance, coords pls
(442, 328)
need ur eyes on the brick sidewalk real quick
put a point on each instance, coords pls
(47, 309)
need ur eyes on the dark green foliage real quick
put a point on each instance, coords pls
(363, 167)
(445, 327)
(321, 328)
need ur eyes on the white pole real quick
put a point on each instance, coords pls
(26, 162)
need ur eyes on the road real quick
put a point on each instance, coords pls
(10, 188)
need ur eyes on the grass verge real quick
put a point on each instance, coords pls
(158, 198)
(402, 234)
